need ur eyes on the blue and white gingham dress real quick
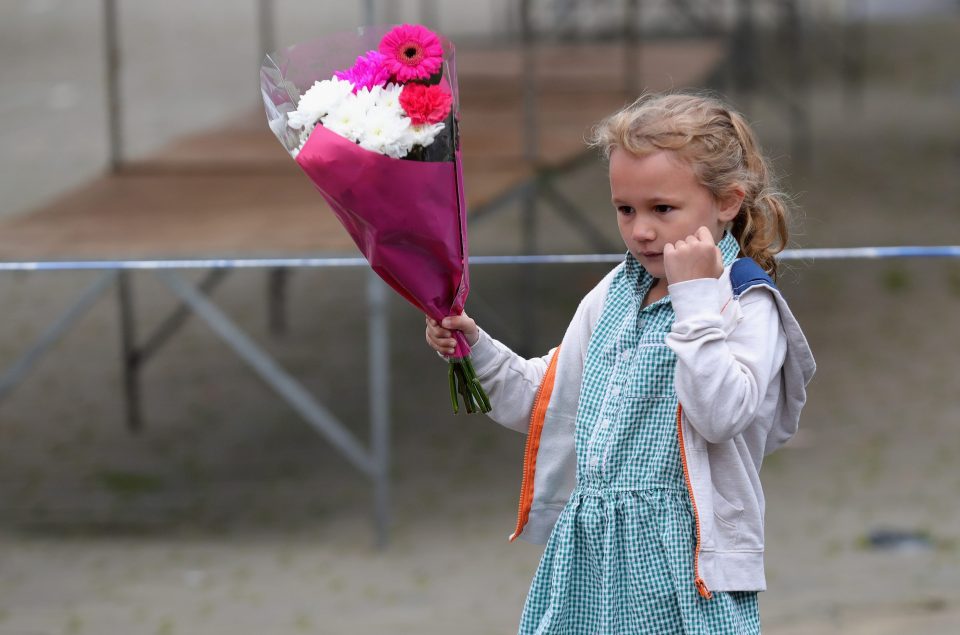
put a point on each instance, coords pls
(621, 556)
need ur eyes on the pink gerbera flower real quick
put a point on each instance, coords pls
(425, 104)
(412, 52)
(368, 71)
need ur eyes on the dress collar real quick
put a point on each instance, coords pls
(729, 248)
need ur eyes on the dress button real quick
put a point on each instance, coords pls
(625, 355)
(615, 391)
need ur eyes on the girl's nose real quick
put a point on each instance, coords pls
(643, 233)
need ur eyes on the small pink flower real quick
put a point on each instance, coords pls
(425, 104)
(412, 51)
(368, 71)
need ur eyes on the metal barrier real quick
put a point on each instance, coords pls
(373, 461)
(829, 253)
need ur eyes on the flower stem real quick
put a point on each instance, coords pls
(463, 381)
(453, 389)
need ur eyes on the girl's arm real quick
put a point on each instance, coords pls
(510, 381)
(722, 379)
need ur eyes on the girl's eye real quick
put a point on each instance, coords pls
(625, 209)
(662, 209)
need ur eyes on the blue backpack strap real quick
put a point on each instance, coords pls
(746, 273)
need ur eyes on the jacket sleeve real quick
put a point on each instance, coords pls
(723, 374)
(510, 381)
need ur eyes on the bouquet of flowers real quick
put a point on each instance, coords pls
(371, 117)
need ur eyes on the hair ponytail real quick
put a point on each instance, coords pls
(722, 151)
(761, 226)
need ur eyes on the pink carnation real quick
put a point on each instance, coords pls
(368, 71)
(412, 52)
(425, 104)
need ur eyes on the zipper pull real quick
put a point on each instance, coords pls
(702, 588)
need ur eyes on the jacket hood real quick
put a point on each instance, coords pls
(746, 276)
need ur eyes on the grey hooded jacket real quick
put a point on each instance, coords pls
(743, 365)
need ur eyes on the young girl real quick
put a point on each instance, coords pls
(647, 426)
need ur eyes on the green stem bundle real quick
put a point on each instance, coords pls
(464, 382)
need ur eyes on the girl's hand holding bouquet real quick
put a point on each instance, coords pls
(440, 335)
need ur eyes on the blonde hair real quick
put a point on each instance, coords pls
(720, 147)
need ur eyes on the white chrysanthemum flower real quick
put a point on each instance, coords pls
(365, 99)
(347, 118)
(388, 98)
(319, 100)
(384, 132)
(424, 134)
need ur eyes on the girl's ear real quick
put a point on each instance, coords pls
(731, 203)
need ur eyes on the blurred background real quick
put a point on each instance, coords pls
(182, 496)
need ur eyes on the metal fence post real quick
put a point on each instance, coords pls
(131, 357)
(111, 42)
(379, 385)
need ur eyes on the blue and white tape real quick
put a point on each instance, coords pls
(838, 253)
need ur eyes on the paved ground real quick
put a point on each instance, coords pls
(228, 515)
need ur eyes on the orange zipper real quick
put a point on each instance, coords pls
(533, 444)
(697, 580)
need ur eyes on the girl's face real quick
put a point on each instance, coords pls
(659, 200)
